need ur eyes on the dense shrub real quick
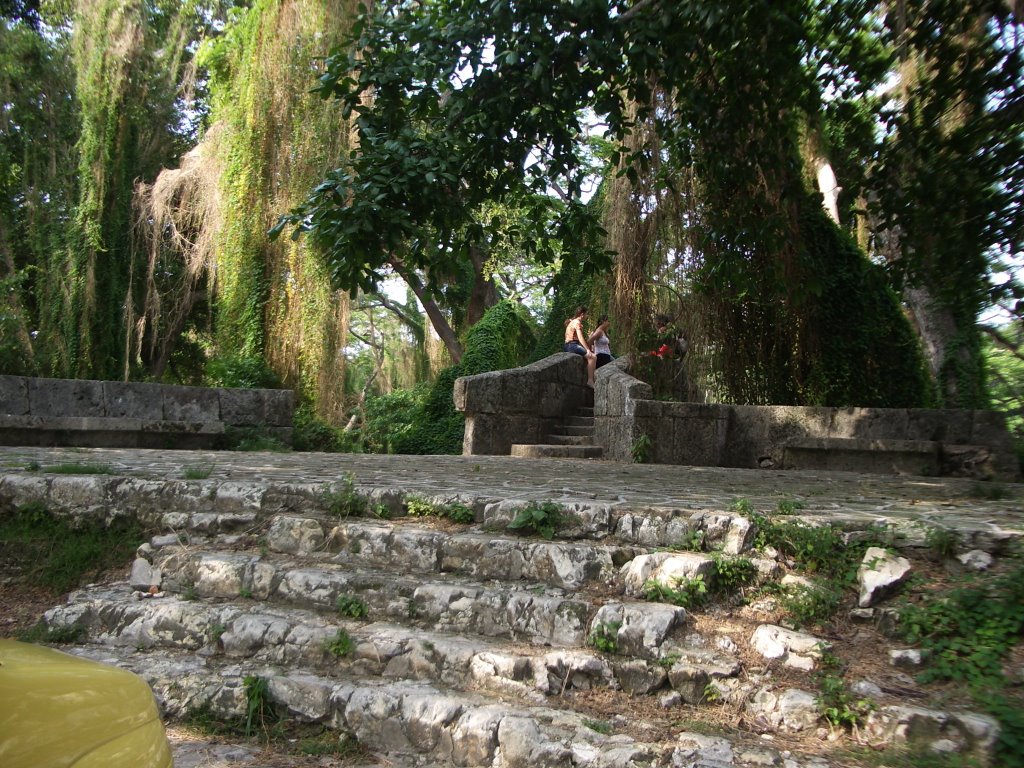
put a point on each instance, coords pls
(423, 420)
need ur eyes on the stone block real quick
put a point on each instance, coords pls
(520, 392)
(65, 397)
(137, 400)
(242, 407)
(480, 393)
(191, 404)
(699, 438)
(14, 395)
(279, 407)
(871, 423)
(942, 425)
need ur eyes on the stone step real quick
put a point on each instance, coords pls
(409, 548)
(539, 615)
(580, 421)
(572, 429)
(585, 411)
(288, 636)
(399, 718)
(557, 451)
(569, 440)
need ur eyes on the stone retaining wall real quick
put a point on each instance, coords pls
(520, 405)
(37, 411)
(854, 439)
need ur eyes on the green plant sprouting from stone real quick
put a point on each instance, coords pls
(604, 636)
(835, 702)
(352, 607)
(684, 591)
(640, 450)
(343, 500)
(417, 506)
(340, 644)
(544, 519)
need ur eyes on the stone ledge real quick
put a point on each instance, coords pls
(857, 454)
(109, 424)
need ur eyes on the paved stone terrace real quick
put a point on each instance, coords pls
(952, 502)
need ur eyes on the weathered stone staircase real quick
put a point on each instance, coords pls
(449, 644)
(573, 439)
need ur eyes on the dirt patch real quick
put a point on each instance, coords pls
(22, 606)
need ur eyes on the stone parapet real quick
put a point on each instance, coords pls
(519, 405)
(38, 411)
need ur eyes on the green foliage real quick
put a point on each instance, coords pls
(251, 439)
(640, 450)
(966, 632)
(835, 702)
(599, 726)
(942, 541)
(198, 471)
(788, 507)
(58, 554)
(732, 574)
(352, 607)
(311, 433)
(424, 420)
(684, 591)
(694, 540)
(544, 519)
(343, 500)
(810, 606)
(340, 645)
(604, 637)
(74, 468)
(814, 548)
(457, 513)
(259, 710)
(40, 633)
(242, 371)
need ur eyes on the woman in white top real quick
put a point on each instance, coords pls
(599, 342)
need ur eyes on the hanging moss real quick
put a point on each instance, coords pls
(273, 299)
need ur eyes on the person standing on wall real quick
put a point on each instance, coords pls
(600, 343)
(576, 342)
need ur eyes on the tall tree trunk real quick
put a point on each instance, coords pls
(436, 316)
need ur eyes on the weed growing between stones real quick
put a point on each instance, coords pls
(684, 591)
(810, 606)
(544, 519)
(732, 574)
(190, 593)
(78, 469)
(52, 552)
(287, 735)
(694, 540)
(352, 607)
(788, 507)
(640, 450)
(344, 500)
(258, 707)
(942, 541)
(966, 633)
(340, 645)
(197, 471)
(420, 507)
(835, 702)
(603, 637)
(600, 726)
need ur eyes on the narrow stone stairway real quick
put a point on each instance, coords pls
(474, 644)
(573, 439)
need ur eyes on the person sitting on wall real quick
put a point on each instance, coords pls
(576, 342)
(600, 343)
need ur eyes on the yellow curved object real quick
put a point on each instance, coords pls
(61, 711)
